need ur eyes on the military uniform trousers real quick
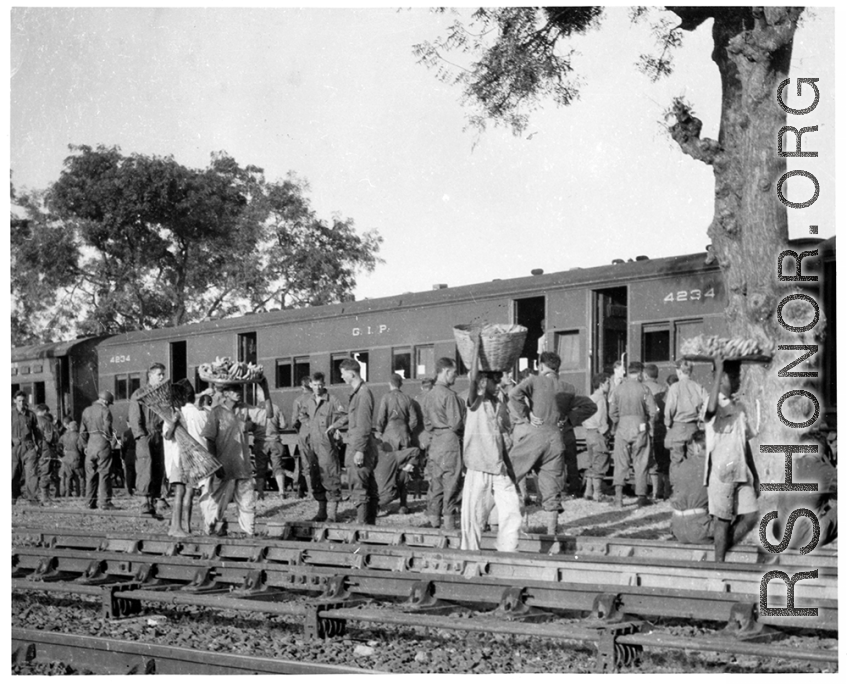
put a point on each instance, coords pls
(23, 453)
(542, 446)
(149, 465)
(444, 462)
(632, 448)
(361, 478)
(98, 468)
(37, 471)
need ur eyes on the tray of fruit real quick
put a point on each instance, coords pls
(706, 348)
(224, 370)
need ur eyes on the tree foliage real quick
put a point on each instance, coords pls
(521, 56)
(132, 242)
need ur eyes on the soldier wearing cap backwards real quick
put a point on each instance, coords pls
(96, 435)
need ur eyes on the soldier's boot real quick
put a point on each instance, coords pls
(332, 511)
(362, 514)
(552, 520)
(618, 496)
(449, 523)
(373, 509)
(589, 487)
(280, 482)
(321, 516)
(260, 489)
(44, 495)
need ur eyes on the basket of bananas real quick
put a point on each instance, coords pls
(224, 370)
(706, 348)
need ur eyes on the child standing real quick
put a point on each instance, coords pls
(73, 472)
(729, 470)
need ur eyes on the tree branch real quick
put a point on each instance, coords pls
(686, 133)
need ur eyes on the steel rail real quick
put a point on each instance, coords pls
(575, 633)
(115, 656)
(579, 545)
(202, 574)
(668, 574)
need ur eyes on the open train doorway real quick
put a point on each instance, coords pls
(610, 328)
(248, 353)
(530, 313)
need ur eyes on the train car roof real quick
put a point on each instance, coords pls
(608, 275)
(50, 349)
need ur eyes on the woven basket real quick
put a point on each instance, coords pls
(195, 462)
(159, 399)
(500, 345)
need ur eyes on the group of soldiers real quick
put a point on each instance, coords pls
(66, 459)
(658, 432)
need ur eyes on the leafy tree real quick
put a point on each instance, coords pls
(136, 242)
(520, 56)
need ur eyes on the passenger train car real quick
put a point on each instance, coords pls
(636, 310)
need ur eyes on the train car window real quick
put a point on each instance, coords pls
(362, 358)
(302, 369)
(40, 396)
(134, 383)
(684, 330)
(284, 376)
(401, 362)
(120, 388)
(425, 361)
(656, 342)
(568, 345)
(335, 371)
(200, 385)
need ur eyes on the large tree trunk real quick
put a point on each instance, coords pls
(749, 229)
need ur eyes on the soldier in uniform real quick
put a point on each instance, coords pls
(444, 418)
(395, 423)
(552, 408)
(658, 476)
(632, 411)
(325, 411)
(300, 422)
(361, 454)
(47, 451)
(149, 452)
(96, 435)
(26, 445)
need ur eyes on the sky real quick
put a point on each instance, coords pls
(336, 96)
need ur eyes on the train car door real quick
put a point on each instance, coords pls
(248, 352)
(610, 328)
(530, 313)
(179, 360)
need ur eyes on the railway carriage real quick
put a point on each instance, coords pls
(591, 317)
(640, 310)
(63, 375)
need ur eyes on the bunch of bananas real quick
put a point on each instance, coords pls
(728, 348)
(224, 369)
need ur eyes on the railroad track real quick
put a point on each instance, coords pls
(639, 586)
(120, 657)
(580, 545)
